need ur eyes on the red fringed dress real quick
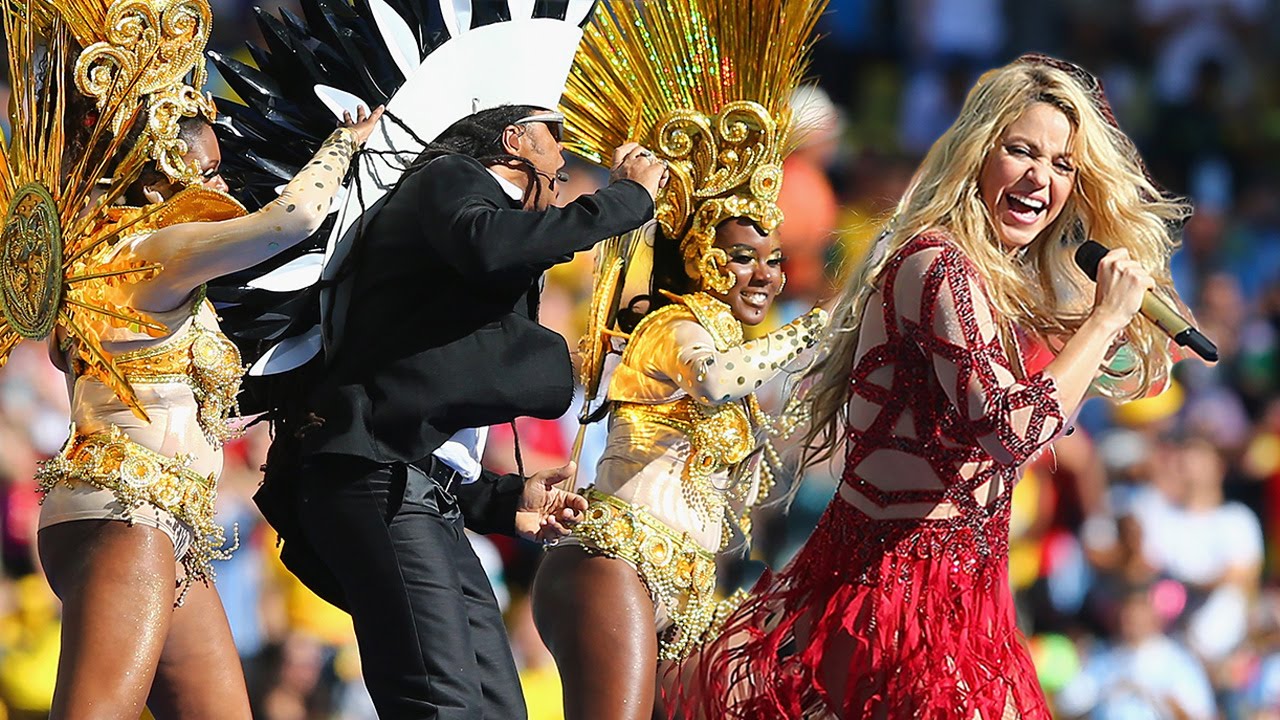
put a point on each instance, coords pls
(899, 605)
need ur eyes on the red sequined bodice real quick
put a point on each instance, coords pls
(940, 419)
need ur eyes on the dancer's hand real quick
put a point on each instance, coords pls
(547, 513)
(364, 121)
(633, 161)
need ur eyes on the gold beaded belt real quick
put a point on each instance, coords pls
(110, 460)
(677, 571)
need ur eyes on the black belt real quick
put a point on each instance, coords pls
(440, 471)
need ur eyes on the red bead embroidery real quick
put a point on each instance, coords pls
(916, 614)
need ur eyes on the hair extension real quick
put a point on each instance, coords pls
(480, 136)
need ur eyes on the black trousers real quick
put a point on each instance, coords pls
(432, 642)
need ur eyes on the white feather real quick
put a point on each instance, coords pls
(397, 36)
(339, 101)
(457, 16)
(521, 9)
(578, 11)
(289, 354)
(296, 274)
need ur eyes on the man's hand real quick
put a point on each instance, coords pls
(635, 162)
(546, 513)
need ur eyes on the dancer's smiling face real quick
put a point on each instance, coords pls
(755, 262)
(1028, 175)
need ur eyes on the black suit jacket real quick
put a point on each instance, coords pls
(439, 331)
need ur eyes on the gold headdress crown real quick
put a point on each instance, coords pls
(706, 84)
(140, 54)
(145, 52)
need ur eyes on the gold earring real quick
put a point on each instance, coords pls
(783, 283)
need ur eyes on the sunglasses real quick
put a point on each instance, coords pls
(553, 120)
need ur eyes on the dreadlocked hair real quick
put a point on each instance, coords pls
(479, 136)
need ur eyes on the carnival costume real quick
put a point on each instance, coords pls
(153, 392)
(309, 72)
(683, 463)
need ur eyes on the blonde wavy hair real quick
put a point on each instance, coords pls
(1039, 289)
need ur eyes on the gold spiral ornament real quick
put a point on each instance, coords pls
(707, 85)
(149, 49)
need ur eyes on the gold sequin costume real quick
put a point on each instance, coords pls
(705, 84)
(164, 450)
(686, 454)
(111, 461)
(198, 356)
(153, 390)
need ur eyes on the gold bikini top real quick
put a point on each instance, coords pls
(720, 436)
(202, 358)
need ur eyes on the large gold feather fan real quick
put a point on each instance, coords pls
(705, 84)
(83, 73)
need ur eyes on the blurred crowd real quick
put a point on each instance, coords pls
(1144, 556)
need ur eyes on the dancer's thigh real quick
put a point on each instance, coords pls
(596, 617)
(199, 674)
(117, 586)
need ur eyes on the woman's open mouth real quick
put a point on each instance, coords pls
(1024, 208)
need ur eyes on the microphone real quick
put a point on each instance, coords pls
(561, 176)
(1154, 308)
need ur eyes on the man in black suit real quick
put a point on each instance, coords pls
(433, 338)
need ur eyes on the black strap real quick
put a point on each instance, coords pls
(440, 471)
(515, 440)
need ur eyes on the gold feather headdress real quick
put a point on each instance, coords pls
(144, 51)
(139, 52)
(705, 84)
(57, 265)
